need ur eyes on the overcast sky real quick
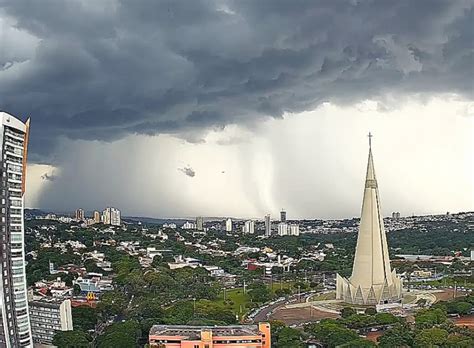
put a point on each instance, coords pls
(241, 108)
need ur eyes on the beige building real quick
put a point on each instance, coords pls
(372, 280)
(48, 316)
(97, 217)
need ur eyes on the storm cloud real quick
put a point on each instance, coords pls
(102, 70)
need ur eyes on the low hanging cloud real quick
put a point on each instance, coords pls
(188, 171)
(106, 69)
(48, 177)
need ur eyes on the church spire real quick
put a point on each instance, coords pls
(371, 274)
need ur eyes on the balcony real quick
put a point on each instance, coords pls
(16, 136)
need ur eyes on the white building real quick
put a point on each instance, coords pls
(249, 227)
(48, 316)
(294, 230)
(189, 226)
(228, 225)
(15, 330)
(282, 229)
(111, 216)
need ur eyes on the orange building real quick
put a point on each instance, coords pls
(235, 336)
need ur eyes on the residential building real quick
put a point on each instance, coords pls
(188, 226)
(48, 316)
(372, 281)
(282, 229)
(294, 230)
(181, 336)
(283, 216)
(249, 227)
(97, 217)
(268, 225)
(228, 225)
(79, 215)
(200, 223)
(15, 330)
(111, 216)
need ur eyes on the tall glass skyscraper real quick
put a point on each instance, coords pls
(15, 330)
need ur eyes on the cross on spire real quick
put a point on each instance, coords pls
(370, 140)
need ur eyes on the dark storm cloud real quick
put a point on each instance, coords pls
(105, 69)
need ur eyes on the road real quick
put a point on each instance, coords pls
(267, 310)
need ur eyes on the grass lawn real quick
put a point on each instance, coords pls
(240, 303)
(324, 297)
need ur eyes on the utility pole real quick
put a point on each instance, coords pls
(245, 287)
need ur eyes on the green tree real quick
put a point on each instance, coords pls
(398, 336)
(112, 303)
(426, 318)
(259, 292)
(120, 335)
(347, 312)
(71, 339)
(358, 343)
(433, 337)
(289, 337)
(370, 311)
(84, 318)
(332, 333)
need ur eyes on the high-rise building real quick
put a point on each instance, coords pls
(294, 230)
(249, 227)
(372, 281)
(268, 225)
(396, 215)
(111, 216)
(15, 330)
(49, 316)
(200, 223)
(228, 225)
(79, 215)
(283, 216)
(96, 217)
(282, 229)
(183, 336)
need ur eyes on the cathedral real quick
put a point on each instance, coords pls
(372, 281)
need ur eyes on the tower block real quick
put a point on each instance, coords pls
(372, 280)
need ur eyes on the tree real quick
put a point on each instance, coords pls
(332, 333)
(120, 335)
(460, 307)
(112, 303)
(359, 343)
(370, 311)
(347, 312)
(433, 337)
(70, 339)
(397, 336)
(84, 318)
(289, 337)
(259, 292)
(426, 318)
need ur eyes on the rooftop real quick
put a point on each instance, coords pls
(194, 332)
